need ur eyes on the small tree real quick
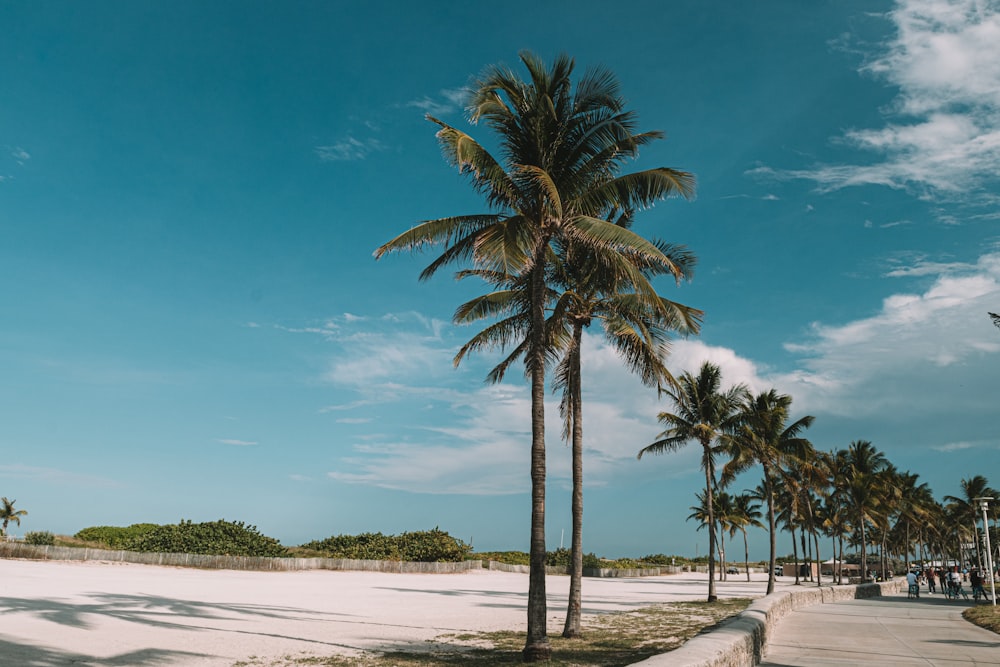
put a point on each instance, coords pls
(8, 514)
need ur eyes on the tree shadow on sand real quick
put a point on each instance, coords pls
(165, 613)
(28, 655)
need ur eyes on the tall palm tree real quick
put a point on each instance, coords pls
(561, 149)
(636, 325)
(966, 507)
(722, 506)
(746, 513)
(703, 413)
(764, 437)
(638, 328)
(866, 489)
(8, 513)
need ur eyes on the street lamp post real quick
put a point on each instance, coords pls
(984, 504)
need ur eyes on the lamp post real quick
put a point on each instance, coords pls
(984, 504)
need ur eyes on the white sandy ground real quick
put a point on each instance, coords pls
(60, 613)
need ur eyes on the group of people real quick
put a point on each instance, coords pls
(949, 579)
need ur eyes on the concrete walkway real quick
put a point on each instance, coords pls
(890, 630)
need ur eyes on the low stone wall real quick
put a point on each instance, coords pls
(742, 642)
(610, 572)
(21, 550)
(591, 571)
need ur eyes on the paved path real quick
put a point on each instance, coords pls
(883, 631)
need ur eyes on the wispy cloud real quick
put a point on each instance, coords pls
(56, 476)
(20, 155)
(237, 443)
(944, 140)
(348, 149)
(885, 361)
(447, 101)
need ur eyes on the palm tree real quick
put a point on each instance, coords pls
(763, 437)
(8, 514)
(746, 512)
(966, 507)
(561, 149)
(637, 326)
(865, 489)
(836, 518)
(703, 414)
(721, 504)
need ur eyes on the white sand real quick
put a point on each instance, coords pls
(56, 613)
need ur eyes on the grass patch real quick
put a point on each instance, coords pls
(985, 616)
(608, 640)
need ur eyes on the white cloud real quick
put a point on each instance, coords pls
(55, 475)
(20, 155)
(348, 149)
(944, 139)
(928, 355)
(892, 358)
(237, 443)
(446, 102)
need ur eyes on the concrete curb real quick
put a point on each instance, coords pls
(743, 641)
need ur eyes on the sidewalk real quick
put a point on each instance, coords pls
(891, 630)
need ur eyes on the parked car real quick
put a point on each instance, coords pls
(779, 570)
(732, 570)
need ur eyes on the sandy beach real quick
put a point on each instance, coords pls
(95, 613)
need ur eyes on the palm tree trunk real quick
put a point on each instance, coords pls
(537, 646)
(573, 610)
(975, 540)
(771, 529)
(746, 553)
(819, 559)
(795, 553)
(722, 555)
(864, 551)
(805, 554)
(709, 486)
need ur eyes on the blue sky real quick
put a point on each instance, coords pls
(193, 325)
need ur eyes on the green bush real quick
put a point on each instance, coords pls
(428, 546)
(42, 538)
(508, 557)
(115, 537)
(216, 538)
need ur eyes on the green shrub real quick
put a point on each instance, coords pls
(217, 538)
(508, 557)
(428, 546)
(114, 537)
(42, 538)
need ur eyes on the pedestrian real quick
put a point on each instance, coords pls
(912, 582)
(930, 580)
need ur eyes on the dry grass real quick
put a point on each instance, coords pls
(609, 640)
(985, 616)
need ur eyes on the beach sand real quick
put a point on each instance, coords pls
(99, 613)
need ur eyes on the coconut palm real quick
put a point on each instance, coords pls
(8, 513)
(745, 513)
(764, 437)
(561, 149)
(866, 489)
(703, 413)
(637, 326)
(966, 507)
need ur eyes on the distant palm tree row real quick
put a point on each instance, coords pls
(852, 495)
